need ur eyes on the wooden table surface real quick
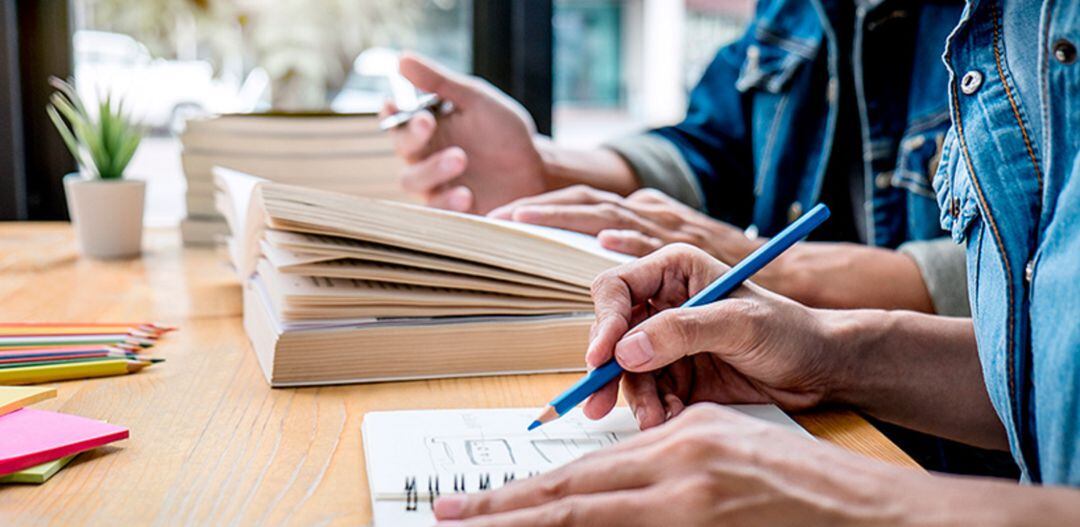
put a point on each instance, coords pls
(211, 443)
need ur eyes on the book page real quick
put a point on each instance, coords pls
(337, 247)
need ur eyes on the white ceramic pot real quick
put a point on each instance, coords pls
(107, 215)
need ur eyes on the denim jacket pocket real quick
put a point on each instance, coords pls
(770, 67)
(955, 191)
(918, 157)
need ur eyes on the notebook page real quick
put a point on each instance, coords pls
(414, 456)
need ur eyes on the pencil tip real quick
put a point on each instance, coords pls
(534, 425)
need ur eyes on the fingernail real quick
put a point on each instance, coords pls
(459, 200)
(635, 350)
(449, 507)
(422, 125)
(639, 414)
(450, 163)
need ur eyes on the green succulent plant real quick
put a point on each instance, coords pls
(104, 144)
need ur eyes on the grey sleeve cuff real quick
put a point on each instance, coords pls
(658, 164)
(943, 265)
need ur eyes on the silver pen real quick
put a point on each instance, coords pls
(428, 101)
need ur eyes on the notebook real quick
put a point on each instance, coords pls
(31, 437)
(414, 456)
(340, 288)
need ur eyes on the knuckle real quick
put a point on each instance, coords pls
(647, 194)
(704, 412)
(609, 210)
(564, 513)
(553, 486)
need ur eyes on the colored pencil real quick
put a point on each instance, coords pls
(718, 289)
(34, 357)
(68, 371)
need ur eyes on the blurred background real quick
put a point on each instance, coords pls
(587, 70)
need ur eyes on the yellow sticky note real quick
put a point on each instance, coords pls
(15, 397)
(39, 474)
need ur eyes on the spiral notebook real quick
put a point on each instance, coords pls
(415, 456)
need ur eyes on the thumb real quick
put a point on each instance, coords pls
(431, 77)
(676, 333)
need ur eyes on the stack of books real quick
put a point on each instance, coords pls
(35, 444)
(340, 152)
(340, 288)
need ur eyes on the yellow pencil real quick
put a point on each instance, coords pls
(63, 372)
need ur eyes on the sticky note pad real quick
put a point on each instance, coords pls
(31, 437)
(14, 397)
(38, 474)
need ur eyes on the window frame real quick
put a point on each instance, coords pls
(514, 53)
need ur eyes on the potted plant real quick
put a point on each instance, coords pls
(106, 208)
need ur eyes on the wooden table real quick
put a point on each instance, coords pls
(211, 443)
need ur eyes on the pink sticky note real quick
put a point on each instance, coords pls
(31, 437)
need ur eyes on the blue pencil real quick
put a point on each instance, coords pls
(718, 289)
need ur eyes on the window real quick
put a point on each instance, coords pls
(173, 59)
(600, 69)
(626, 65)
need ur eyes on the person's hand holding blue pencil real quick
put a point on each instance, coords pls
(717, 290)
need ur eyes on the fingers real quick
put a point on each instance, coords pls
(388, 109)
(600, 403)
(455, 198)
(621, 471)
(612, 304)
(628, 241)
(632, 507)
(617, 291)
(676, 333)
(573, 195)
(411, 141)
(641, 392)
(431, 77)
(424, 177)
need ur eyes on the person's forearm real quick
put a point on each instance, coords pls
(598, 167)
(918, 371)
(848, 276)
(831, 275)
(961, 501)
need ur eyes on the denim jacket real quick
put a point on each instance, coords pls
(759, 153)
(1013, 200)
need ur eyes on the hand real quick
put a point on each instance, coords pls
(479, 156)
(754, 347)
(710, 466)
(637, 224)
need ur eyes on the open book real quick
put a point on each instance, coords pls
(341, 288)
(413, 457)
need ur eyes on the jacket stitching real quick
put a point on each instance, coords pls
(770, 144)
(803, 48)
(992, 223)
(925, 123)
(1012, 100)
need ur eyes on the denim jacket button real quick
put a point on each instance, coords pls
(1064, 51)
(1029, 271)
(971, 82)
(883, 180)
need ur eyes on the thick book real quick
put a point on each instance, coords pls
(340, 152)
(340, 288)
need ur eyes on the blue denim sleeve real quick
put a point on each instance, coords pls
(714, 138)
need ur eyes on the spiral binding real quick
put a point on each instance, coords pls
(483, 482)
